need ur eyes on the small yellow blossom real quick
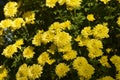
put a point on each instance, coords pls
(86, 32)
(22, 72)
(18, 23)
(28, 52)
(10, 9)
(79, 61)
(73, 4)
(51, 3)
(65, 25)
(100, 31)
(6, 23)
(108, 50)
(29, 17)
(3, 72)
(118, 21)
(70, 55)
(94, 52)
(35, 71)
(105, 1)
(104, 61)
(43, 58)
(47, 37)
(61, 39)
(18, 43)
(9, 51)
(86, 71)
(61, 70)
(90, 17)
(37, 38)
(55, 27)
(65, 48)
(106, 78)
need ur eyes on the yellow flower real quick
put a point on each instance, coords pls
(50, 61)
(18, 43)
(86, 32)
(104, 61)
(86, 71)
(5, 23)
(51, 3)
(10, 9)
(82, 41)
(22, 72)
(61, 39)
(55, 27)
(61, 70)
(117, 76)
(65, 48)
(37, 38)
(79, 61)
(108, 50)
(35, 71)
(105, 1)
(61, 2)
(94, 52)
(65, 25)
(115, 60)
(118, 21)
(90, 17)
(100, 31)
(29, 17)
(9, 51)
(47, 37)
(70, 55)
(17, 23)
(72, 4)
(28, 52)
(106, 78)
(43, 58)
(94, 43)
(3, 72)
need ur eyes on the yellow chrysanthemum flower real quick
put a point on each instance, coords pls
(115, 60)
(79, 61)
(118, 21)
(18, 23)
(22, 72)
(35, 71)
(85, 71)
(106, 78)
(104, 61)
(51, 3)
(65, 25)
(10, 9)
(28, 52)
(43, 58)
(61, 70)
(90, 17)
(72, 4)
(70, 55)
(47, 37)
(9, 51)
(61, 39)
(52, 49)
(3, 72)
(94, 43)
(6, 23)
(86, 32)
(100, 31)
(18, 43)
(29, 17)
(94, 52)
(37, 39)
(105, 1)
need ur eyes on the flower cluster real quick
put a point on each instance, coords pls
(60, 40)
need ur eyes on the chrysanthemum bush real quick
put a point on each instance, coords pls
(60, 40)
